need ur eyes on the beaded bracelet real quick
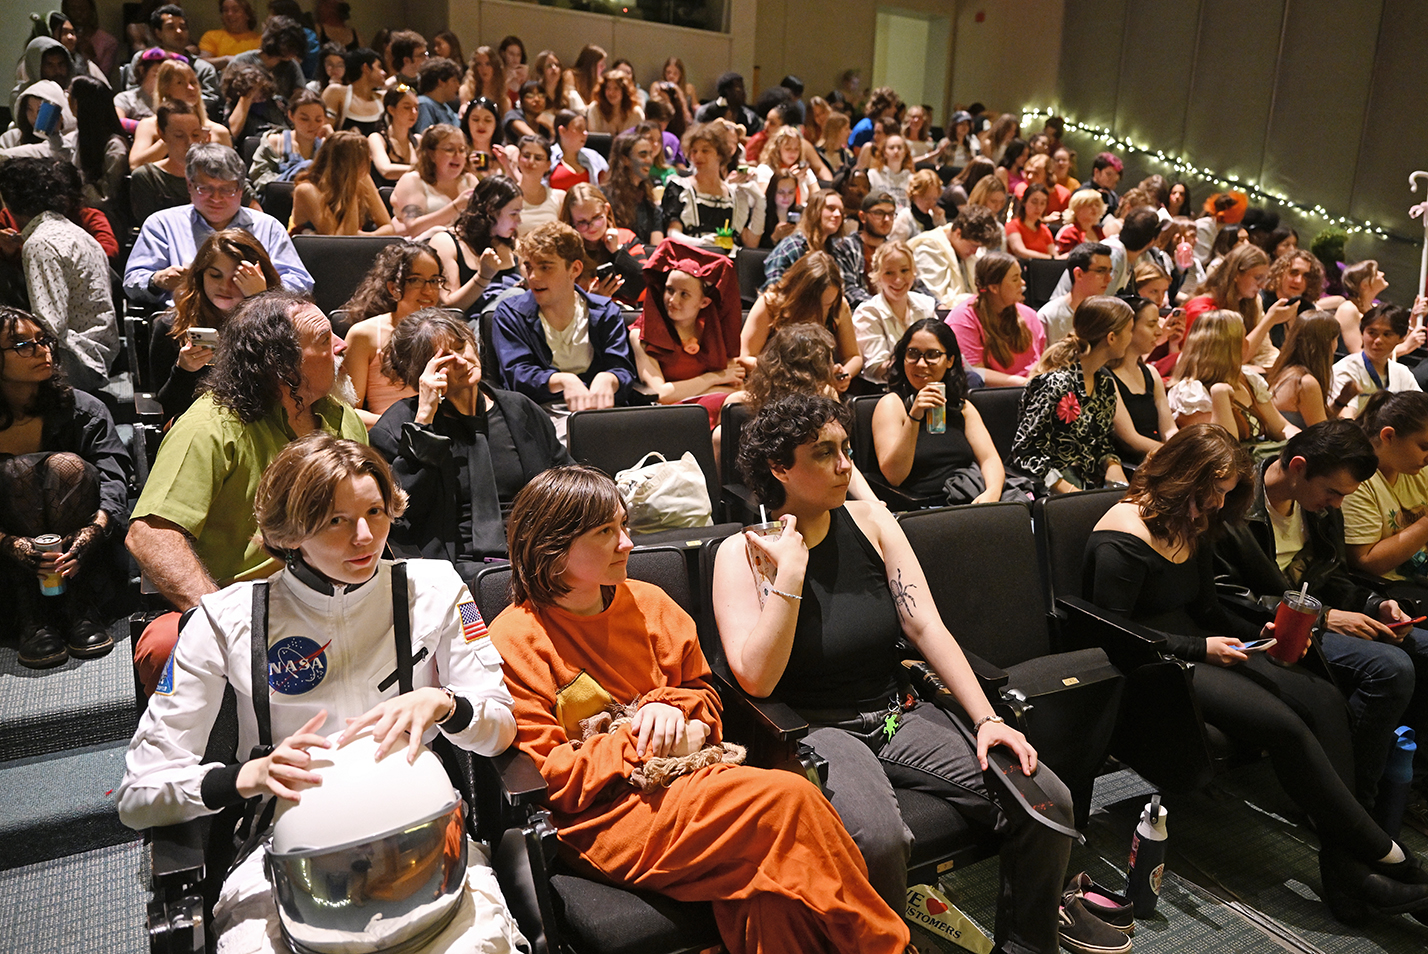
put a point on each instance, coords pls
(787, 596)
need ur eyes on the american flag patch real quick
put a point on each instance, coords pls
(473, 627)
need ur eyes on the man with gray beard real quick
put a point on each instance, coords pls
(277, 376)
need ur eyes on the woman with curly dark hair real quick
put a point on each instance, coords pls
(478, 253)
(403, 279)
(819, 629)
(616, 106)
(63, 471)
(230, 266)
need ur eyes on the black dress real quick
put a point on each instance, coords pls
(1144, 412)
(938, 455)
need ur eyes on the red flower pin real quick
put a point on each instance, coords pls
(1068, 409)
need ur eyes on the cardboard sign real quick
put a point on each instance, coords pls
(929, 909)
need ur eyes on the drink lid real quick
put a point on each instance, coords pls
(47, 540)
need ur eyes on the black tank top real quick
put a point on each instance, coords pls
(936, 456)
(1144, 414)
(843, 654)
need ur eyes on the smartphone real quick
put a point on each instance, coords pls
(48, 118)
(204, 336)
(793, 216)
(1257, 645)
(1406, 622)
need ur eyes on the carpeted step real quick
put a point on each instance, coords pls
(84, 702)
(92, 901)
(60, 804)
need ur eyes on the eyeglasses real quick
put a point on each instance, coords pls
(221, 192)
(26, 349)
(915, 355)
(880, 213)
(451, 150)
(582, 224)
(412, 281)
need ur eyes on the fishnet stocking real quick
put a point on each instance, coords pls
(47, 493)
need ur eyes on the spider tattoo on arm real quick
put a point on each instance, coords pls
(902, 595)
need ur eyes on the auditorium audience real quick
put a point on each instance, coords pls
(1362, 283)
(1150, 559)
(1212, 385)
(437, 84)
(956, 465)
(481, 122)
(615, 106)
(854, 253)
(485, 77)
(238, 34)
(1087, 208)
(250, 104)
(819, 228)
(98, 146)
(169, 26)
(229, 267)
(359, 102)
(574, 162)
(283, 153)
(461, 449)
(66, 273)
(276, 376)
(703, 204)
(169, 239)
(163, 184)
(63, 470)
(176, 80)
(1089, 265)
(1235, 286)
(630, 192)
(922, 213)
(394, 144)
(335, 195)
(614, 256)
(280, 52)
(999, 336)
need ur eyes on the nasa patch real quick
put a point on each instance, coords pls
(296, 665)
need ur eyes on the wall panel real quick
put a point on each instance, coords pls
(1232, 84)
(1157, 57)
(1091, 35)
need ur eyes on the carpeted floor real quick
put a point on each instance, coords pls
(1242, 874)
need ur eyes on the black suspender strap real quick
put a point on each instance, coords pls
(259, 642)
(402, 626)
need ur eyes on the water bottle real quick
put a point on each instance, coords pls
(1397, 778)
(1147, 860)
(936, 417)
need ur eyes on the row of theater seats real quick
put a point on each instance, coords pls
(1005, 578)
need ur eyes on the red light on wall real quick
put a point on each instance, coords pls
(981, 16)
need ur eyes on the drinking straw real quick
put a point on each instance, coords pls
(764, 518)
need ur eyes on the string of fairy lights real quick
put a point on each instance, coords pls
(1250, 189)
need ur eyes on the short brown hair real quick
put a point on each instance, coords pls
(419, 336)
(976, 223)
(295, 496)
(708, 133)
(548, 514)
(1184, 471)
(553, 239)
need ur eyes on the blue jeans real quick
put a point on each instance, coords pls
(1380, 681)
(928, 753)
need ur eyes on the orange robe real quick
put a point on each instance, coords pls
(764, 846)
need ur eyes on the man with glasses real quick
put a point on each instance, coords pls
(170, 238)
(854, 253)
(1089, 265)
(66, 271)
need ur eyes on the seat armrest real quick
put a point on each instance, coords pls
(1128, 644)
(176, 852)
(769, 716)
(992, 678)
(148, 409)
(521, 782)
(740, 504)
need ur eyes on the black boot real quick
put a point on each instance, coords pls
(85, 632)
(1352, 889)
(40, 644)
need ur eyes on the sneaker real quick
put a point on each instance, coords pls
(1083, 932)
(1104, 903)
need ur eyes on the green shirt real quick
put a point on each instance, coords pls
(206, 479)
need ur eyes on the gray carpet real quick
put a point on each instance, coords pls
(88, 902)
(83, 702)
(1242, 874)
(57, 805)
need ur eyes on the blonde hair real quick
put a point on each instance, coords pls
(1214, 349)
(771, 155)
(922, 182)
(1220, 285)
(1041, 162)
(888, 249)
(1086, 198)
(880, 154)
(983, 190)
(167, 70)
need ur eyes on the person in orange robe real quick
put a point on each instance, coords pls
(764, 846)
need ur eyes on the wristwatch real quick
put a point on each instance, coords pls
(985, 719)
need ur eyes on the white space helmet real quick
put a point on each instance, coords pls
(373, 859)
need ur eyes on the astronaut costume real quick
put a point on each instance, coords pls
(331, 646)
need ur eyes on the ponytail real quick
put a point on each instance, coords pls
(1404, 411)
(1096, 319)
(1061, 355)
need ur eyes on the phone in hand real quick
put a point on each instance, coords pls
(1401, 624)
(603, 272)
(793, 215)
(48, 118)
(208, 337)
(1257, 645)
